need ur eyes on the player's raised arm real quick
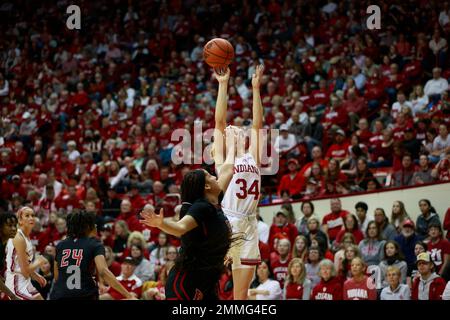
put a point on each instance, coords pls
(227, 169)
(255, 146)
(221, 116)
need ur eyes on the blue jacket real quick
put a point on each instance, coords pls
(407, 246)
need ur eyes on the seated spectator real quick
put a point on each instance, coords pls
(312, 265)
(350, 226)
(279, 262)
(441, 171)
(427, 216)
(334, 221)
(438, 247)
(307, 209)
(111, 204)
(339, 256)
(47, 271)
(395, 290)
(372, 246)
(387, 230)
(300, 248)
(144, 269)
(157, 291)
(398, 214)
(136, 238)
(355, 107)
(316, 157)
(382, 152)
(113, 265)
(392, 257)
(128, 279)
(419, 101)
(158, 252)
(338, 150)
(410, 144)
(404, 176)
(363, 218)
(362, 176)
(315, 182)
(287, 207)
(423, 172)
(297, 285)
(359, 286)
(407, 240)
(282, 226)
(293, 181)
(330, 286)
(435, 86)
(266, 288)
(314, 230)
(428, 286)
(286, 142)
(441, 145)
(121, 234)
(128, 214)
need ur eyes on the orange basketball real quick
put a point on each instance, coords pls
(218, 53)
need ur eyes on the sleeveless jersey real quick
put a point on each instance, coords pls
(242, 194)
(12, 260)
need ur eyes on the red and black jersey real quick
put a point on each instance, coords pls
(76, 256)
(280, 270)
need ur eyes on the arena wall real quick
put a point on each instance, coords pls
(438, 194)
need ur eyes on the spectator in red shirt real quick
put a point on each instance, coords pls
(438, 247)
(282, 226)
(359, 287)
(127, 279)
(297, 286)
(69, 201)
(317, 157)
(293, 181)
(351, 225)
(19, 157)
(128, 214)
(355, 107)
(279, 263)
(334, 221)
(339, 149)
(447, 223)
(330, 286)
(16, 188)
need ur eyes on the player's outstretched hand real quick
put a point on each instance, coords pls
(151, 219)
(222, 75)
(257, 76)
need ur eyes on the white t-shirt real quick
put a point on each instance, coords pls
(274, 289)
(439, 144)
(284, 144)
(436, 86)
(263, 231)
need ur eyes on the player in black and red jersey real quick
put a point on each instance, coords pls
(78, 258)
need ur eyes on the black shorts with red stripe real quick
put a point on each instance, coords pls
(190, 285)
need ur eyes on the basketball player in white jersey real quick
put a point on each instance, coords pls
(21, 268)
(241, 198)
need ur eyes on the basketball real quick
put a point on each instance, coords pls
(218, 53)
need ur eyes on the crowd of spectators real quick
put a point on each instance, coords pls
(86, 115)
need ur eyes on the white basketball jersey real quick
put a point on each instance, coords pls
(12, 260)
(242, 194)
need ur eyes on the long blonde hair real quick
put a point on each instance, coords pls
(301, 277)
